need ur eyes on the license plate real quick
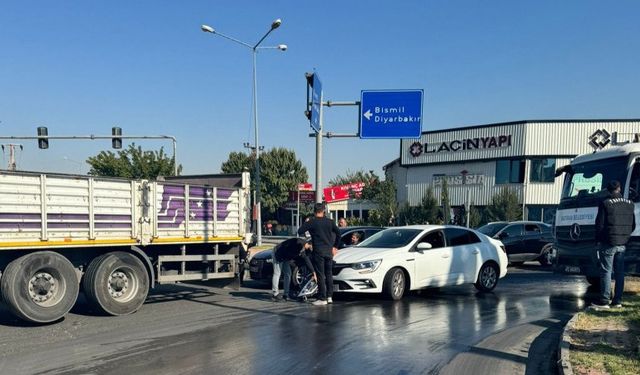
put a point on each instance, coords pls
(572, 269)
(253, 269)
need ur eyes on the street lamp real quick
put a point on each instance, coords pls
(254, 50)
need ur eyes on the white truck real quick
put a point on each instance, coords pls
(114, 238)
(585, 181)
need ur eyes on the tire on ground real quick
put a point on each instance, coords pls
(394, 284)
(116, 283)
(545, 256)
(40, 287)
(487, 277)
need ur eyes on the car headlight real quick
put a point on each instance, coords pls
(367, 266)
(269, 260)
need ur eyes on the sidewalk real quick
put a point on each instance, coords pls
(607, 342)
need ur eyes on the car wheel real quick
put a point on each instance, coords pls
(297, 276)
(394, 284)
(547, 255)
(487, 277)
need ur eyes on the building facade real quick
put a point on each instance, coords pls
(478, 161)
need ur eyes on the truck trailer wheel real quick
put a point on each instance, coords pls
(116, 283)
(40, 287)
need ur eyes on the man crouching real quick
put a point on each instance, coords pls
(283, 254)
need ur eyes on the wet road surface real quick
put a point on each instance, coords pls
(196, 329)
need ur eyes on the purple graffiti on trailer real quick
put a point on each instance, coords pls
(172, 208)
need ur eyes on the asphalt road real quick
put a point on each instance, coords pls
(197, 329)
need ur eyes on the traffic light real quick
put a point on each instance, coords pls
(43, 143)
(116, 142)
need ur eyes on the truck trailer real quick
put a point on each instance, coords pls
(114, 239)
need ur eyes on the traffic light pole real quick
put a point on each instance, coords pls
(93, 137)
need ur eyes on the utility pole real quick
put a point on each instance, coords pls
(12, 166)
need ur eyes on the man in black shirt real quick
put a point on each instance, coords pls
(614, 224)
(283, 254)
(325, 237)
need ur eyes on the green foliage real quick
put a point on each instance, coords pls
(427, 212)
(446, 205)
(238, 162)
(133, 163)
(351, 177)
(280, 172)
(475, 217)
(504, 206)
(383, 194)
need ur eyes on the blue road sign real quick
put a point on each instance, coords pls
(391, 114)
(316, 103)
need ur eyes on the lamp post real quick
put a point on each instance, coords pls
(254, 49)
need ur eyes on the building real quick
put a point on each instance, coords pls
(478, 161)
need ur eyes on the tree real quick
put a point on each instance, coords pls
(351, 177)
(280, 172)
(133, 163)
(504, 206)
(446, 205)
(238, 162)
(475, 217)
(430, 207)
(383, 194)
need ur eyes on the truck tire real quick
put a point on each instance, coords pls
(40, 287)
(116, 283)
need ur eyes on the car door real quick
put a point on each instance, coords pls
(432, 266)
(466, 255)
(533, 239)
(512, 238)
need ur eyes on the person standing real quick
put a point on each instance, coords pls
(325, 237)
(283, 254)
(614, 224)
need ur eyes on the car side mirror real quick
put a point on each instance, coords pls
(423, 246)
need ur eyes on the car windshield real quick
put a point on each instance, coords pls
(589, 180)
(491, 229)
(391, 238)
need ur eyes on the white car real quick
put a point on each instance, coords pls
(420, 256)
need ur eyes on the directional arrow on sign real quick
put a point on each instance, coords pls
(368, 114)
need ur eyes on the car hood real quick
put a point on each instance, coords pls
(264, 254)
(358, 254)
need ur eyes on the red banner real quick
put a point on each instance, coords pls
(305, 186)
(342, 192)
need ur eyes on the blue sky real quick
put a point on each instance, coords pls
(82, 67)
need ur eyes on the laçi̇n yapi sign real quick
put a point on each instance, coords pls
(466, 144)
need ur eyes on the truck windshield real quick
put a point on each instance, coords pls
(590, 179)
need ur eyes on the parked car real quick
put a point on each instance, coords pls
(261, 268)
(400, 259)
(524, 240)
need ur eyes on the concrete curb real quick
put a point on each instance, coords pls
(564, 365)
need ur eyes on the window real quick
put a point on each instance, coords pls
(513, 230)
(543, 170)
(509, 171)
(435, 238)
(634, 184)
(531, 229)
(460, 237)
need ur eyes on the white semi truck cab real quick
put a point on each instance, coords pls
(584, 187)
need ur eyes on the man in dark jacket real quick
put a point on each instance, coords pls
(283, 254)
(614, 224)
(325, 237)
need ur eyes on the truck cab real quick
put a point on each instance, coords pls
(584, 187)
